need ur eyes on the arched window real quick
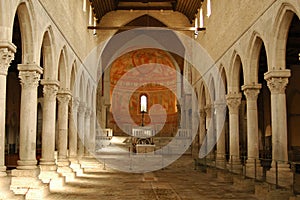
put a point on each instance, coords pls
(143, 103)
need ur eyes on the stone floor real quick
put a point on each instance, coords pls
(177, 181)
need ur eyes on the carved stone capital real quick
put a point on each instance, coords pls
(29, 75)
(6, 56)
(277, 80)
(88, 113)
(50, 89)
(251, 91)
(220, 106)
(82, 108)
(233, 102)
(29, 79)
(277, 85)
(208, 110)
(202, 113)
(63, 97)
(75, 103)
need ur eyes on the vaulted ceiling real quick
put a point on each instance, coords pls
(187, 7)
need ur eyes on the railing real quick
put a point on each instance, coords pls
(255, 168)
(143, 132)
(108, 132)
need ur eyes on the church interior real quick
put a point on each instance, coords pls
(150, 99)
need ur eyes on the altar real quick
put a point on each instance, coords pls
(145, 148)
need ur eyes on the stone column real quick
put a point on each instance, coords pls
(86, 134)
(73, 129)
(25, 177)
(220, 131)
(81, 128)
(210, 137)
(92, 132)
(47, 162)
(202, 133)
(251, 92)
(233, 103)
(6, 56)
(277, 82)
(63, 163)
(63, 98)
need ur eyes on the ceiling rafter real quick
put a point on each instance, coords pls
(187, 7)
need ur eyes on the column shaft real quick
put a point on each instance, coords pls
(73, 128)
(87, 130)
(251, 93)
(233, 102)
(48, 130)
(277, 81)
(220, 131)
(81, 127)
(6, 56)
(29, 76)
(63, 98)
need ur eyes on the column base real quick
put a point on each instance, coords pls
(26, 182)
(285, 175)
(75, 166)
(49, 175)
(65, 170)
(235, 166)
(254, 171)
(221, 163)
(3, 171)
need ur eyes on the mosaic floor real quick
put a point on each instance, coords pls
(177, 181)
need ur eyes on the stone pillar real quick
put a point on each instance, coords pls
(92, 132)
(7, 51)
(25, 178)
(86, 133)
(73, 129)
(47, 162)
(81, 128)
(202, 132)
(251, 92)
(210, 137)
(63, 98)
(220, 131)
(6, 56)
(277, 82)
(233, 103)
(63, 163)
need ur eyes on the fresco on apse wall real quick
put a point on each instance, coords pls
(159, 91)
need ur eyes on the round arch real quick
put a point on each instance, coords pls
(281, 28)
(26, 19)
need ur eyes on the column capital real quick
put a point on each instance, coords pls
(202, 113)
(251, 91)
(88, 113)
(208, 110)
(29, 75)
(63, 97)
(7, 54)
(277, 80)
(75, 103)
(82, 108)
(220, 106)
(50, 88)
(233, 102)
